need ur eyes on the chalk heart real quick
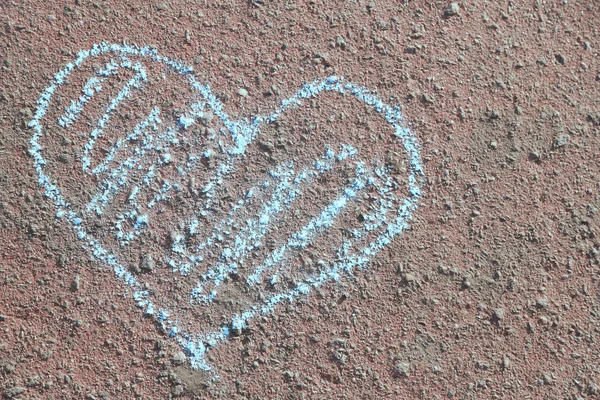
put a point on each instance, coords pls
(160, 183)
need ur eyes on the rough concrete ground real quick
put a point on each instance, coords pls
(493, 292)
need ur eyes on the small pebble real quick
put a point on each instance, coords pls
(207, 117)
(451, 9)
(243, 92)
(147, 263)
(185, 122)
(560, 141)
(14, 392)
(178, 358)
(64, 158)
(288, 375)
(534, 156)
(541, 302)
(498, 314)
(428, 99)
(402, 369)
(340, 42)
(76, 284)
(177, 391)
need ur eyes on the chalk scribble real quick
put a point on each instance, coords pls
(148, 147)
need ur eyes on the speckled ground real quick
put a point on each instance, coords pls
(491, 292)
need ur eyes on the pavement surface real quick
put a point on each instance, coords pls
(299, 200)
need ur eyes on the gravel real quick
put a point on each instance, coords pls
(530, 218)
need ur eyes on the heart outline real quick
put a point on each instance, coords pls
(243, 132)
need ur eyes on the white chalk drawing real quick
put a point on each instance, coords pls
(149, 145)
